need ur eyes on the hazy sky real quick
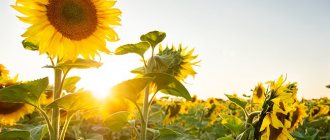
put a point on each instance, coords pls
(239, 42)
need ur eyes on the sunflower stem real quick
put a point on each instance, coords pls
(145, 114)
(66, 125)
(56, 111)
(45, 116)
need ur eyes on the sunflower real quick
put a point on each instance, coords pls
(171, 113)
(3, 72)
(46, 97)
(258, 94)
(69, 28)
(180, 61)
(296, 117)
(281, 112)
(10, 113)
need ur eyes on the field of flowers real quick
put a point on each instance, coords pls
(71, 33)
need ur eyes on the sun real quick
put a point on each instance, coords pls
(113, 71)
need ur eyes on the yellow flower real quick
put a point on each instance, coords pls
(3, 72)
(10, 113)
(179, 62)
(171, 113)
(69, 28)
(46, 97)
(258, 96)
(318, 110)
(296, 117)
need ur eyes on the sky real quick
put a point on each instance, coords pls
(239, 43)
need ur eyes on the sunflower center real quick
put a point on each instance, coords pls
(7, 108)
(74, 19)
(259, 92)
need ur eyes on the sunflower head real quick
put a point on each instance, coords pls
(178, 62)
(3, 72)
(69, 28)
(258, 96)
(171, 113)
(297, 116)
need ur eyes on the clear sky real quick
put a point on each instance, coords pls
(239, 42)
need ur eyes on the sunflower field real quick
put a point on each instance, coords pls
(71, 33)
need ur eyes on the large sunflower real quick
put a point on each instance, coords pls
(69, 28)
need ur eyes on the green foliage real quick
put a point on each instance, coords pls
(153, 37)
(70, 83)
(28, 92)
(30, 46)
(168, 84)
(75, 102)
(169, 134)
(138, 48)
(38, 132)
(76, 64)
(131, 89)
(234, 124)
(117, 120)
(309, 134)
(15, 135)
(239, 101)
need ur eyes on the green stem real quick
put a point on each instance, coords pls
(56, 112)
(200, 123)
(145, 114)
(66, 125)
(140, 112)
(45, 116)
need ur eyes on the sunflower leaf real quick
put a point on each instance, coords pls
(168, 84)
(117, 120)
(167, 134)
(153, 37)
(138, 48)
(38, 132)
(78, 64)
(30, 46)
(70, 83)
(240, 102)
(15, 135)
(75, 102)
(131, 89)
(28, 92)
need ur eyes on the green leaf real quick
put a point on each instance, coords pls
(131, 89)
(239, 101)
(153, 37)
(15, 135)
(38, 132)
(70, 83)
(168, 84)
(79, 64)
(117, 120)
(138, 48)
(139, 70)
(75, 102)
(168, 134)
(28, 92)
(30, 46)
(226, 138)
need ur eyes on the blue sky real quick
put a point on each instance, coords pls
(240, 43)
